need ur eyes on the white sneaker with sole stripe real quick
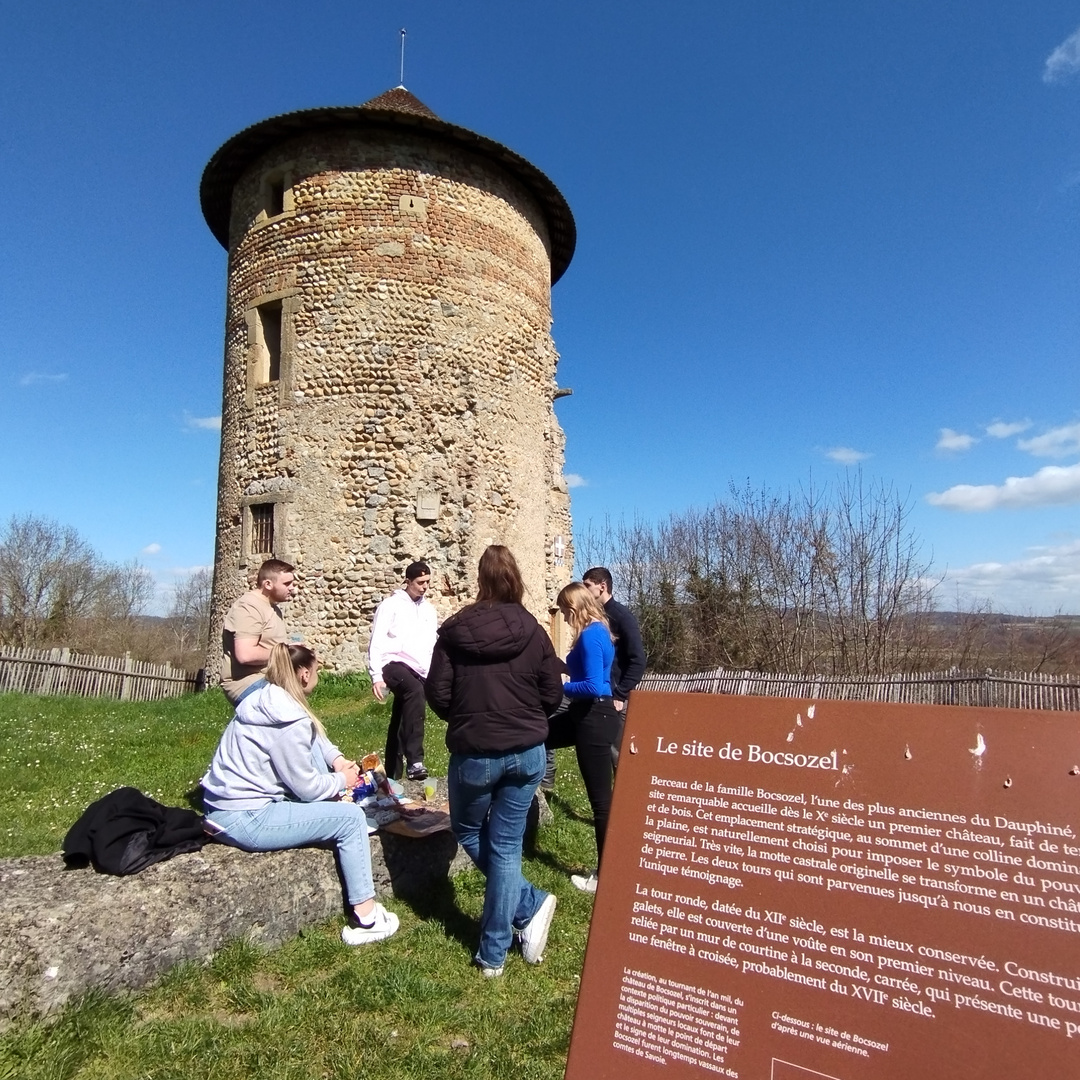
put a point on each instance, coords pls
(384, 924)
(534, 937)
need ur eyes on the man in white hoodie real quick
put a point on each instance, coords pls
(399, 655)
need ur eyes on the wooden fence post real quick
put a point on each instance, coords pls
(62, 672)
(49, 681)
(125, 682)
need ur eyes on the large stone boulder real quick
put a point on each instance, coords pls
(64, 931)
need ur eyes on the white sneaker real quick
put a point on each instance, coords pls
(586, 883)
(490, 973)
(385, 924)
(534, 937)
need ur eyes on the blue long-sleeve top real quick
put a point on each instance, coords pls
(589, 663)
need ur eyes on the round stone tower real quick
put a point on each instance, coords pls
(389, 369)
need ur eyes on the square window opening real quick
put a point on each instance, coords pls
(275, 193)
(275, 196)
(270, 331)
(262, 528)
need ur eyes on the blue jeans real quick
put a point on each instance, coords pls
(280, 825)
(489, 802)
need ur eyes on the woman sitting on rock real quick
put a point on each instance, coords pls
(275, 779)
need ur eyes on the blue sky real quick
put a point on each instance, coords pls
(812, 237)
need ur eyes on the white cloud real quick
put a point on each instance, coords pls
(999, 429)
(1052, 485)
(1046, 580)
(150, 549)
(1057, 442)
(203, 423)
(32, 377)
(1064, 61)
(954, 441)
(574, 480)
(844, 455)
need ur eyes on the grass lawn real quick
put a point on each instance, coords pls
(409, 1007)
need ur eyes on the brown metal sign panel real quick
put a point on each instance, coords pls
(794, 890)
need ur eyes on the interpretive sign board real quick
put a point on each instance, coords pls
(794, 890)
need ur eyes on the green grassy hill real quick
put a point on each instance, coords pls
(410, 1007)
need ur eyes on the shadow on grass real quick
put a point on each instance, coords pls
(552, 863)
(567, 808)
(438, 904)
(531, 849)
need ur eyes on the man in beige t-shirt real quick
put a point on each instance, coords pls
(253, 625)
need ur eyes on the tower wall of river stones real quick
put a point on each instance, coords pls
(389, 379)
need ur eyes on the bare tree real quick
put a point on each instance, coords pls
(124, 590)
(1028, 643)
(875, 583)
(816, 581)
(56, 590)
(190, 614)
(114, 626)
(823, 580)
(49, 577)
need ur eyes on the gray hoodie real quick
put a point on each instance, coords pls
(268, 753)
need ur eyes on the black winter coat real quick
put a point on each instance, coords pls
(126, 831)
(629, 663)
(494, 678)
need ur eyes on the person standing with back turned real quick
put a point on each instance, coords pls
(494, 678)
(399, 655)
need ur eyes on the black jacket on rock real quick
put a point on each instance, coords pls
(494, 678)
(126, 831)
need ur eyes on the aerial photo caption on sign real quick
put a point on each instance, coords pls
(794, 890)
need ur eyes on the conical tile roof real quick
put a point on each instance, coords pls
(396, 108)
(399, 100)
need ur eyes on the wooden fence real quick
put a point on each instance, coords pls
(60, 671)
(1002, 690)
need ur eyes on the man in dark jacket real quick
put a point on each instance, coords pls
(629, 663)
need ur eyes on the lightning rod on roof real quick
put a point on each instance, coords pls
(401, 76)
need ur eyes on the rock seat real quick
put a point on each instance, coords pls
(66, 931)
